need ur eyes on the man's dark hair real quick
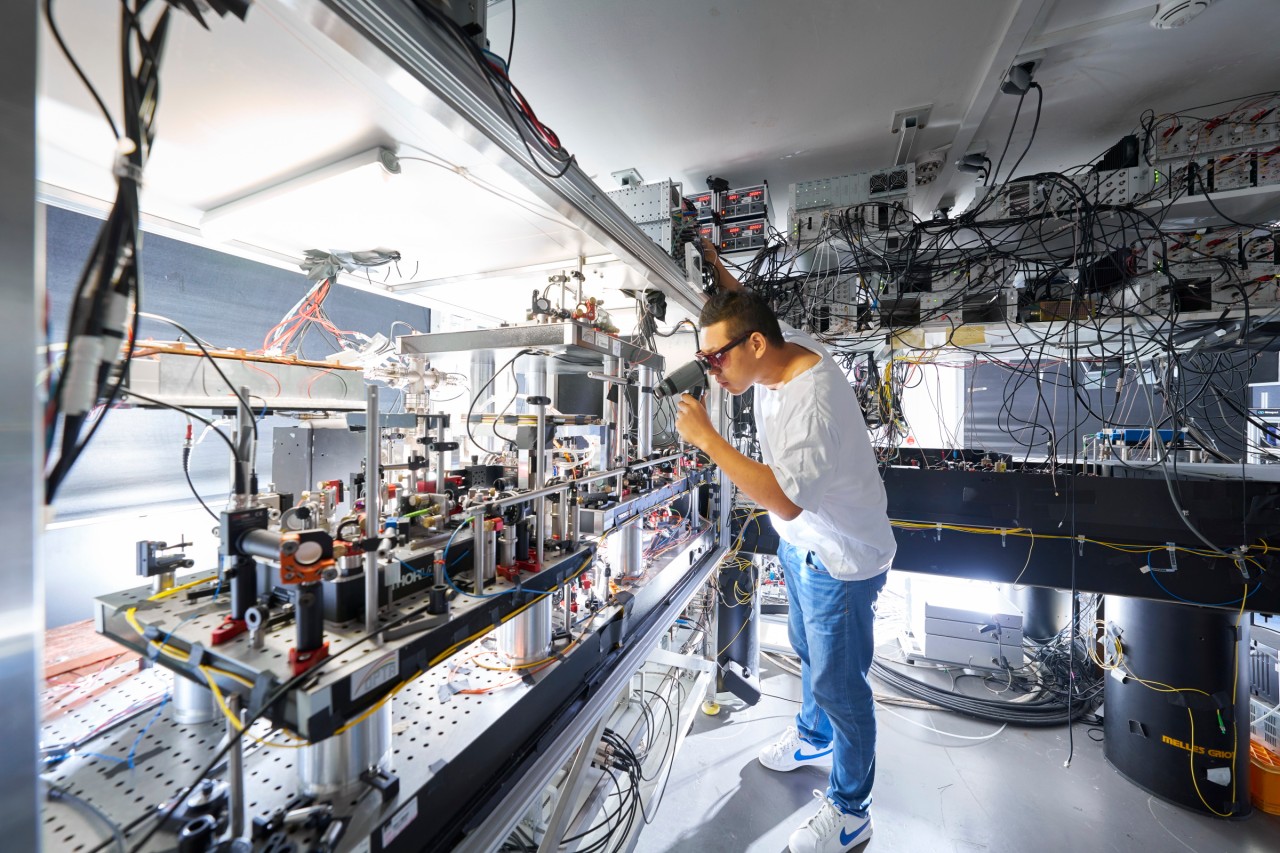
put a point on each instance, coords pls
(742, 311)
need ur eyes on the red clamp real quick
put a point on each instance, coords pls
(228, 630)
(336, 485)
(300, 662)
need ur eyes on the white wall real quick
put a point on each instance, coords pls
(90, 557)
(933, 404)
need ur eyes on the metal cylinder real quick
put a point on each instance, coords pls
(442, 436)
(609, 413)
(491, 555)
(266, 544)
(507, 546)
(621, 425)
(539, 378)
(560, 524)
(372, 508)
(644, 411)
(162, 582)
(575, 520)
(539, 531)
(479, 557)
(631, 547)
(334, 764)
(437, 568)
(566, 601)
(536, 376)
(710, 652)
(526, 639)
(193, 703)
(235, 769)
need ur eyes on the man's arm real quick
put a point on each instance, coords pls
(754, 478)
(719, 274)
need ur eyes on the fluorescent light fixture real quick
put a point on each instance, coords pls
(444, 219)
(359, 181)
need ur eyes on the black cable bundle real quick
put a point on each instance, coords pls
(1036, 712)
(1069, 683)
(533, 133)
(97, 355)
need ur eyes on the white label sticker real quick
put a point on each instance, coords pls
(617, 347)
(384, 669)
(397, 824)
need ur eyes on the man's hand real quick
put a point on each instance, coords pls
(711, 260)
(693, 423)
(755, 478)
(709, 252)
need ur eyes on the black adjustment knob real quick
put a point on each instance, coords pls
(442, 446)
(197, 835)
(438, 600)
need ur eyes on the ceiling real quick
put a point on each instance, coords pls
(749, 90)
(760, 90)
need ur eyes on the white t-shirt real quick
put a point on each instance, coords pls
(813, 436)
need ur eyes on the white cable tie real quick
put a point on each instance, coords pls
(80, 386)
(124, 169)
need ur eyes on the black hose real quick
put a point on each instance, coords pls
(1040, 712)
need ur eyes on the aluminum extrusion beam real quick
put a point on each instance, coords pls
(552, 337)
(398, 46)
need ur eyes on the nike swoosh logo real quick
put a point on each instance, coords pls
(802, 757)
(846, 840)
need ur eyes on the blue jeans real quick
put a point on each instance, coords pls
(831, 630)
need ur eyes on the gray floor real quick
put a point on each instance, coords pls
(933, 794)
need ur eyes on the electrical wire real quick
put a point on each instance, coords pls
(56, 794)
(479, 394)
(930, 728)
(103, 324)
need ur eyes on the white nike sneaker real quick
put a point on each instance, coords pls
(830, 830)
(793, 751)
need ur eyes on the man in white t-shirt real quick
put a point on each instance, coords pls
(820, 484)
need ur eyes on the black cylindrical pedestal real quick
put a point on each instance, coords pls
(308, 615)
(244, 586)
(1150, 738)
(1045, 611)
(438, 602)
